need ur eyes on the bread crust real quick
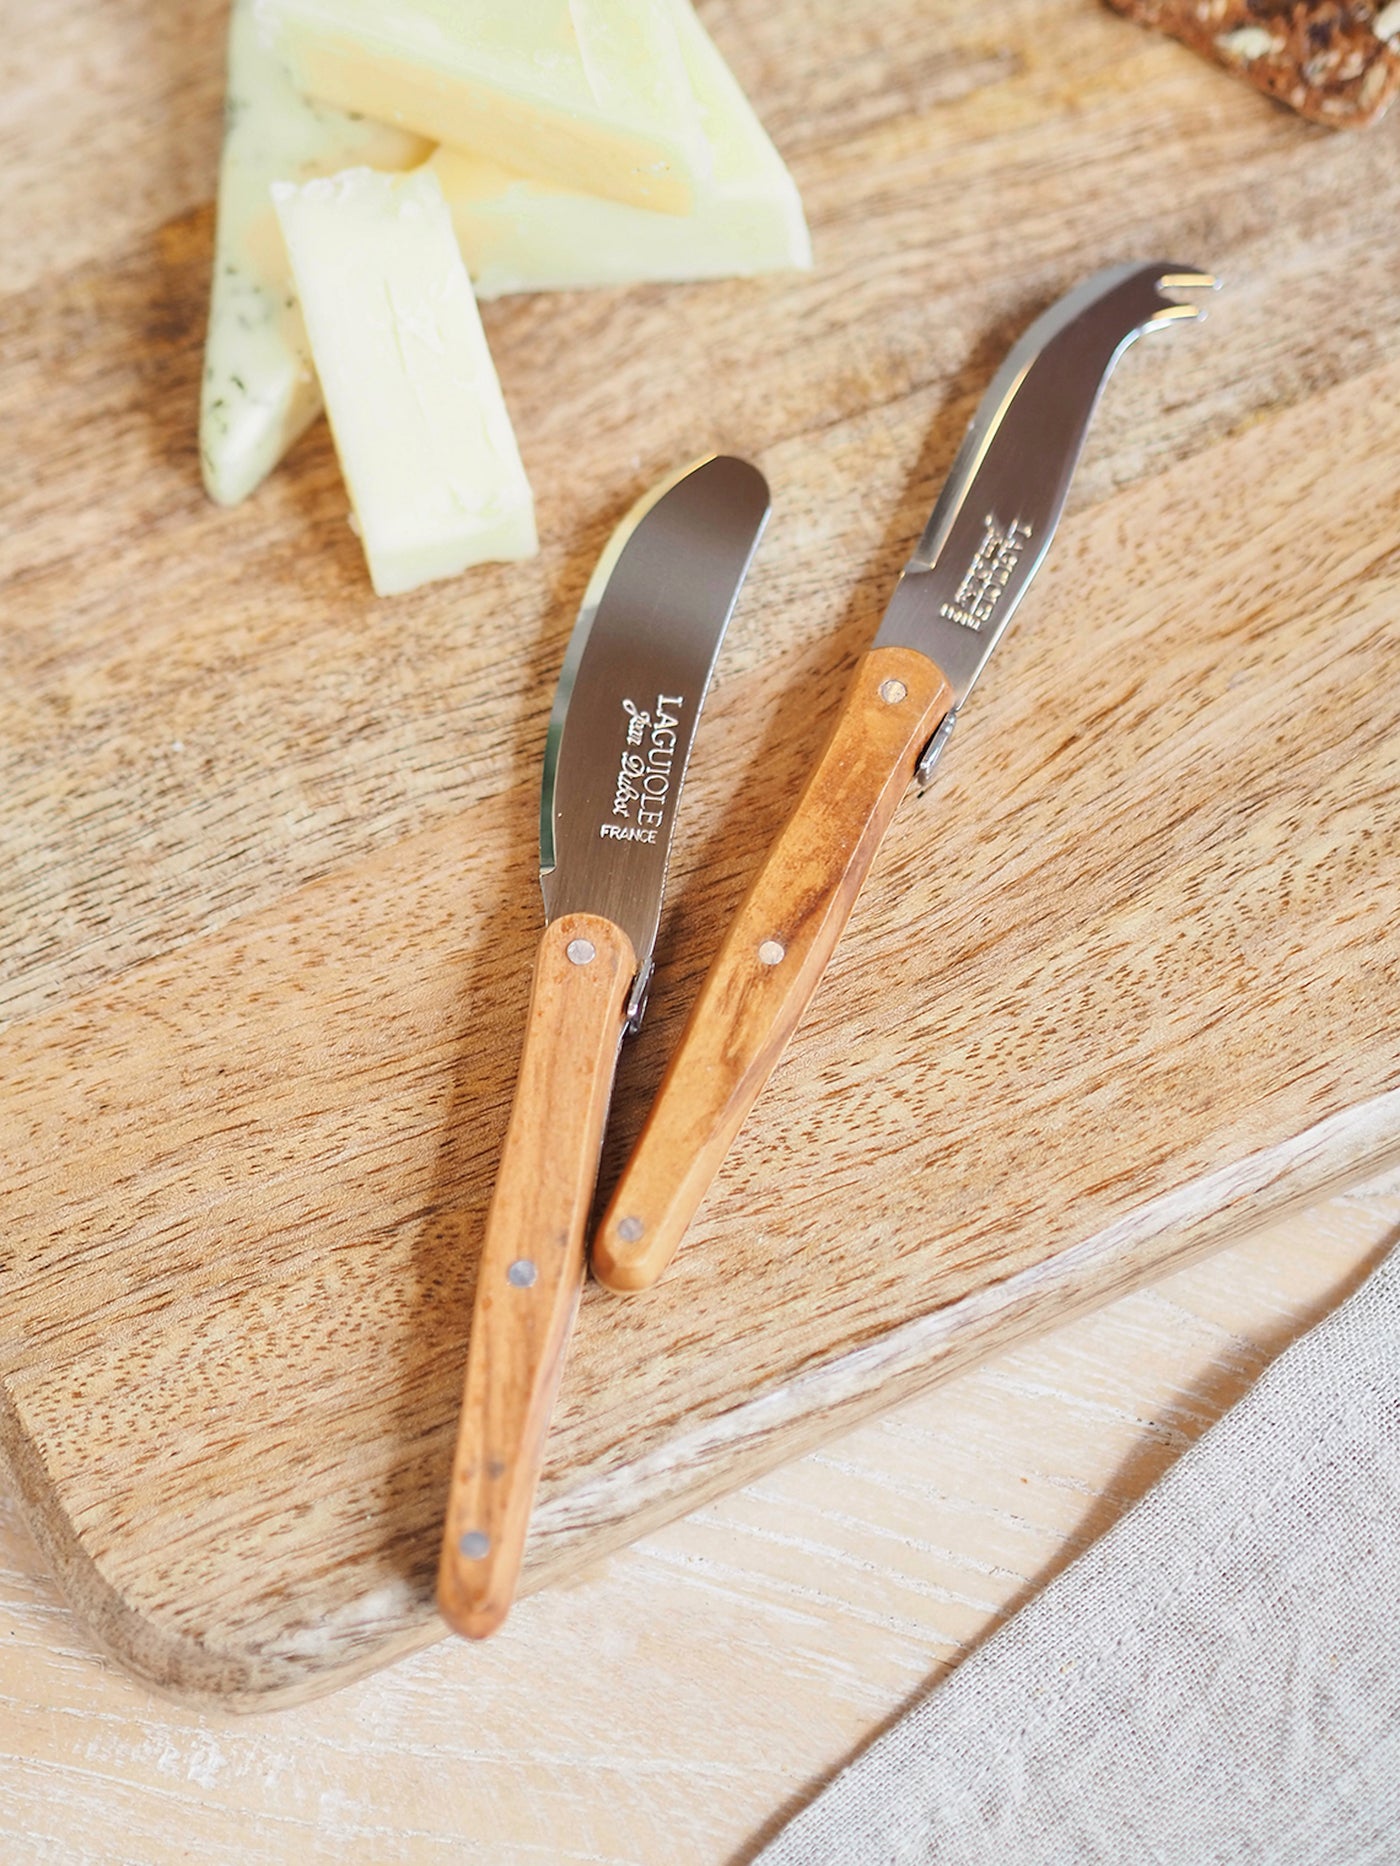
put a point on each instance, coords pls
(1333, 61)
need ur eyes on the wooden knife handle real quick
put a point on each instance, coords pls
(532, 1262)
(771, 962)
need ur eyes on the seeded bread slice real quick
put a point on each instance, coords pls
(1334, 61)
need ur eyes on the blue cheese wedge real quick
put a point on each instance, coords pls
(259, 391)
(521, 235)
(584, 94)
(424, 440)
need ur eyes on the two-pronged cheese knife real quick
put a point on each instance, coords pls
(984, 542)
(629, 696)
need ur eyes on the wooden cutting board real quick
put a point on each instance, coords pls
(1123, 981)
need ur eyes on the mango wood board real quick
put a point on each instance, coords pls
(1122, 982)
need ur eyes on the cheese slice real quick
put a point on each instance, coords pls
(259, 389)
(424, 440)
(521, 235)
(586, 94)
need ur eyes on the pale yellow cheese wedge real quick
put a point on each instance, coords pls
(259, 390)
(521, 235)
(425, 443)
(585, 94)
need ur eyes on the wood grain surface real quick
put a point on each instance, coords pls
(1123, 981)
(675, 1703)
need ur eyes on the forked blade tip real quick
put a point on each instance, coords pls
(1183, 279)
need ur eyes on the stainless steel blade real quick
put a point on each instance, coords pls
(633, 683)
(1004, 495)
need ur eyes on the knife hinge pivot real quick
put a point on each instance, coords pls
(637, 1002)
(581, 952)
(933, 751)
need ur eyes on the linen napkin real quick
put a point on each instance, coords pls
(1216, 1680)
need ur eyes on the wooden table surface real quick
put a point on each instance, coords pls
(675, 1703)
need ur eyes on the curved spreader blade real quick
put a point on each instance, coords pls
(634, 679)
(1004, 495)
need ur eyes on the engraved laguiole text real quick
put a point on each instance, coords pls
(988, 574)
(645, 771)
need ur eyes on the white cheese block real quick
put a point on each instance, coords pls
(587, 94)
(520, 235)
(415, 407)
(259, 389)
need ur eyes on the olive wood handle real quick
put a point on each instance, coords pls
(771, 962)
(532, 1262)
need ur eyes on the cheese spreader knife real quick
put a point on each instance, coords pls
(984, 542)
(634, 678)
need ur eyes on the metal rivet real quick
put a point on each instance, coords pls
(630, 1229)
(772, 952)
(893, 691)
(522, 1273)
(581, 951)
(474, 1545)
